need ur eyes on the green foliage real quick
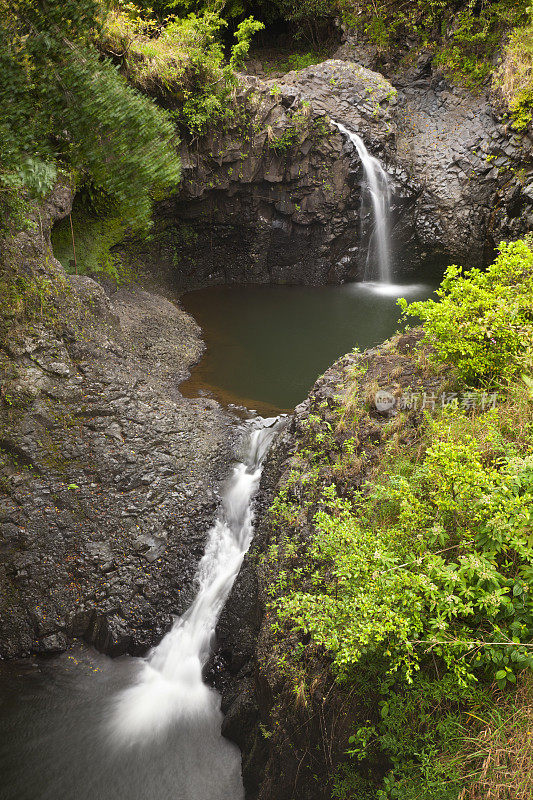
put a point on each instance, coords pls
(482, 322)
(467, 56)
(29, 298)
(244, 33)
(514, 78)
(521, 108)
(64, 105)
(183, 61)
(418, 584)
(464, 40)
(437, 561)
(94, 239)
(422, 581)
(309, 10)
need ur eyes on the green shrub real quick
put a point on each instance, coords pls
(63, 105)
(183, 61)
(423, 583)
(464, 40)
(482, 322)
(94, 239)
(438, 559)
(467, 54)
(514, 78)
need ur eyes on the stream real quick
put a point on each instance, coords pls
(84, 727)
(88, 728)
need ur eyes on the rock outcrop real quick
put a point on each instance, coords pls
(293, 744)
(108, 477)
(277, 198)
(474, 170)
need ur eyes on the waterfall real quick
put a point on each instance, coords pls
(377, 186)
(170, 688)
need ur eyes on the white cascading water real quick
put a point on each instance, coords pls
(378, 187)
(170, 688)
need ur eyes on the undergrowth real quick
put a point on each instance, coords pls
(465, 37)
(416, 575)
(514, 78)
(181, 60)
(84, 243)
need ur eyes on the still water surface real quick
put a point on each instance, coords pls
(266, 345)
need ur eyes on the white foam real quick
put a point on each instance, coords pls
(393, 289)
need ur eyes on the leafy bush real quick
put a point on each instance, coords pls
(464, 40)
(437, 561)
(467, 54)
(415, 589)
(482, 321)
(65, 106)
(422, 586)
(182, 61)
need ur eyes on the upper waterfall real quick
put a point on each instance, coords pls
(377, 186)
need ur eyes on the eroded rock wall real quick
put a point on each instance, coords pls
(475, 171)
(108, 477)
(276, 197)
(286, 712)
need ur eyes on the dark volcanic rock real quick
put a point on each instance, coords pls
(473, 168)
(108, 477)
(277, 198)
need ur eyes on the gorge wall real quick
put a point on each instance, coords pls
(275, 197)
(287, 712)
(109, 477)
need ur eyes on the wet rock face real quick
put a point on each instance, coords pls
(293, 748)
(278, 197)
(474, 171)
(108, 477)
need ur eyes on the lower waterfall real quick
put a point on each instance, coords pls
(170, 689)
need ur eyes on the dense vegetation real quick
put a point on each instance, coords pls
(465, 37)
(418, 582)
(72, 75)
(80, 79)
(66, 108)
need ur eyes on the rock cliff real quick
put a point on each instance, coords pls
(276, 195)
(108, 477)
(290, 718)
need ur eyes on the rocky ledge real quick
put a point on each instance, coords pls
(276, 195)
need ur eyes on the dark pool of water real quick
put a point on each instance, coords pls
(55, 742)
(266, 345)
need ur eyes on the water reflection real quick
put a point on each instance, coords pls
(266, 345)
